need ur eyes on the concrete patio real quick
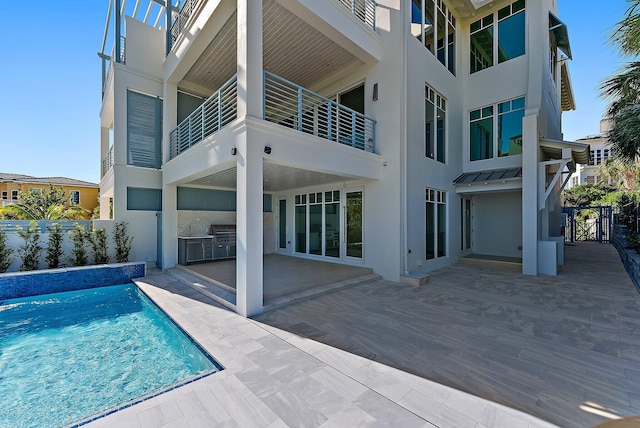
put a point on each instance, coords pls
(476, 347)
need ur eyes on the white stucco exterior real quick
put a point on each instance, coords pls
(374, 210)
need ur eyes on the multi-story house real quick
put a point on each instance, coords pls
(397, 135)
(80, 192)
(588, 173)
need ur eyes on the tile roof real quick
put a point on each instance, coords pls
(56, 181)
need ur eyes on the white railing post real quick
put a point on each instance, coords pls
(353, 129)
(189, 129)
(299, 109)
(203, 120)
(329, 117)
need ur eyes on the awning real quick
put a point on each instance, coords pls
(567, 101)
(486, 176)
(552, 149)
(561, 34)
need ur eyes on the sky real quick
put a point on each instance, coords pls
(50, 77)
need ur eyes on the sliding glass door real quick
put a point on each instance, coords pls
(353, 224)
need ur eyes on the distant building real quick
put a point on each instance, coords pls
(588, 174)
(79, 192)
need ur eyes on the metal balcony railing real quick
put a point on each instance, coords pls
(187, 9)
(107, 162)
(363, 9)
(293, 106)
(216, 112)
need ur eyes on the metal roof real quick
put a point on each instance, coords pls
(486, 176)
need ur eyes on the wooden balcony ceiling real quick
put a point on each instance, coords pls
(276, 178)
(292, 48)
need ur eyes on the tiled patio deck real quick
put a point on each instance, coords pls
(565, 349)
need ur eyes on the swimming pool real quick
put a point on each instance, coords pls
(66, 357)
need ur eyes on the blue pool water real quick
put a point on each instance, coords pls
(67, 356)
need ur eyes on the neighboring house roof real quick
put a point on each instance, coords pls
(56, 181)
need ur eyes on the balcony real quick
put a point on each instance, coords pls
(216, 112)
(107, 162)
(293, 106)
(285, 104)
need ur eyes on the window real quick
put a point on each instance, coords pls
(605, 154)
(590, 179)
(510, 40)
(322, 233)
(483, 142)
(35, 191)
(436, 223)
(14, 195)
(300, 219)
(435, 124)
(435, 26)
(144, 130)
(4, 195)
(574, 181)
(141, 199)
(592, 156)
(74, 197)
(598, 157)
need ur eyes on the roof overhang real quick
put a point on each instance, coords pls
(500, 180)
(557, 149)
(561, 34)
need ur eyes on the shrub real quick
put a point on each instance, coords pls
(98, 239)
(54, 246)
(122, 242)
(78, 241)
(30, 251)
(5, 252)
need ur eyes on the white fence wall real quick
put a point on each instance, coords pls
(15, 241)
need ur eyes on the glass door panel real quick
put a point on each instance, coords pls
(332, 223)
(315, 223)
(301, 223)
(282, 224)
(353, 224)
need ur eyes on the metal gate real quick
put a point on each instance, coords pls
(588, 224)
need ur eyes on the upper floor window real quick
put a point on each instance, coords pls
(4, 195)
(14, 195)
(74, 197)
(435, 120)
(435, 26)
(506, 118)
(488, 46)
(35, 191)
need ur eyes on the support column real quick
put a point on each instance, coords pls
(249, 224)
(250, 75)
(249, 220)
(169, 116)
(530, 176)
(169, 226)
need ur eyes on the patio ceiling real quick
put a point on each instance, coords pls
(292, 49)
(277, 178)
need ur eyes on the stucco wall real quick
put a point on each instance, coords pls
(497, 224)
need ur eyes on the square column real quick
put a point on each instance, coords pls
(169, 226)
(249, 66)
(530, 214)
(249, 226)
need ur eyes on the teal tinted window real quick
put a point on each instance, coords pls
(481, 52)
(192, 199)
(140, 199)
(511, 37)
(510, 127)
(481, 134)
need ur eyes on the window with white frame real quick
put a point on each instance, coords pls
(490, 45)
(435, 26)
(14, 195)
(74, 197)
(574, 181)
(5, 195)
(435, 121)
(436, 223)
(484, 143)
(35, 191)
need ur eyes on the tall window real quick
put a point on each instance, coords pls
(14, 195)
(435, 26)
(301, 223)
(436, 223)
(74, 197)
(435, 124)
(508, 42)
(507, 141)
(4, 196)
(144, 130)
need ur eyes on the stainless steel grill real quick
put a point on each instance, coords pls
(224, 240)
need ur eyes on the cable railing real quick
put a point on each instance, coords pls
(187, 9)
(365, 10)
(107, 162)
(216, 112)
(293, 106)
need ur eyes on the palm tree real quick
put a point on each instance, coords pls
(624, 173)
(623, 90)
(40, 205)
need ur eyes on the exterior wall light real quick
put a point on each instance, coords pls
(375, 92)
(234, 151)
(267, 149)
